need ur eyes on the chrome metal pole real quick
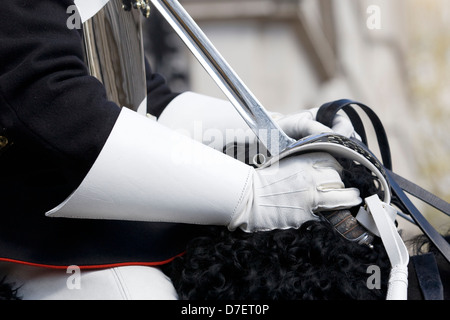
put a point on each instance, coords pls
(115, 54)
(251, 110)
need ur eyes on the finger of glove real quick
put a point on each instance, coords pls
(310, 164)
(317, 170)
(323, 161)
(306, 127)
(337, 199)
(327, 179)
(343, 126)
(307, 162)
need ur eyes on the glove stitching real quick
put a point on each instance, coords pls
(281, 206)
(282, 193)
(282, 179)
(247, 181)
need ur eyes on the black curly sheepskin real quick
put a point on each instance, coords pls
(312, 262)
(7, 290)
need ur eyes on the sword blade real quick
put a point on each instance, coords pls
(250, 109)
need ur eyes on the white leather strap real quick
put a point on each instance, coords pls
(395, 248)
(366, 219)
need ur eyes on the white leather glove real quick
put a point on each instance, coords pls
(216, 123)
(304, 123)
(290, 192)
(211, 121)
(146, 172)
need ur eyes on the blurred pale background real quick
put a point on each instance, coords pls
(293, 54)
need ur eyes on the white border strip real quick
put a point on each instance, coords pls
(89, 8)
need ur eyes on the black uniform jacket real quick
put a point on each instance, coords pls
(54, 121)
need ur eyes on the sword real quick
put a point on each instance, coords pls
(244, 101)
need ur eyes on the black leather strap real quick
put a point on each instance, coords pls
(326, 114)
(328, 111)
(420, 193)
(403, 201)
(428, 276)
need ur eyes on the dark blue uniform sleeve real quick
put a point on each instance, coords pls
(46, 92)
(159, 95)
(54, 116)
(54, 121)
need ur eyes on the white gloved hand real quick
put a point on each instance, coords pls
(304, 123)
(216, 123)
(290, 192)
